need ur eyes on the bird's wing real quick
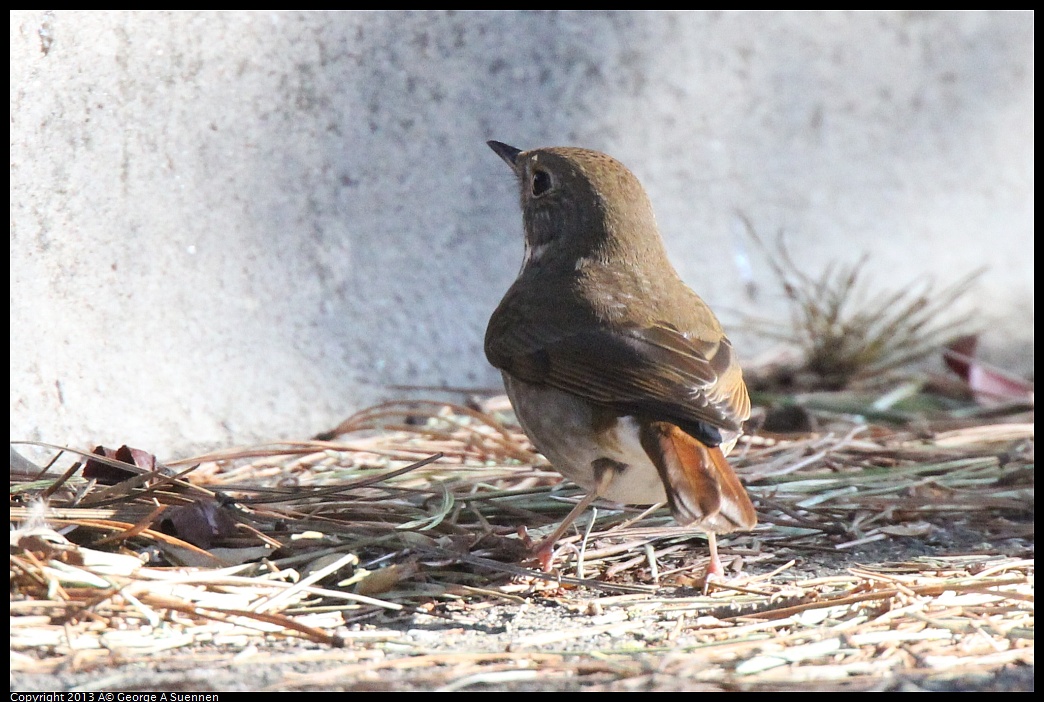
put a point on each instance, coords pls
(656, 371)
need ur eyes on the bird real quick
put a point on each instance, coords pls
(620, 374)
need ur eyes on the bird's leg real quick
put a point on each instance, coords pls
(714, 568)
(545, 549)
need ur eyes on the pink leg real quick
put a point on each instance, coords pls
(545, 549)
(714, 567)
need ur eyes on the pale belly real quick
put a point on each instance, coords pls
(560, 427)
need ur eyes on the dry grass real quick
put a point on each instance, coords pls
(412, 515)
(847, 333)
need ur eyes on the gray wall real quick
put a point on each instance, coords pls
(231, 227)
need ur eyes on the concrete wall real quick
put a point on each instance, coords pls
(231, 227)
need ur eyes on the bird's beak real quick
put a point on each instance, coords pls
(508, 153)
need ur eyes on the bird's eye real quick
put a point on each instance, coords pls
(541, 183)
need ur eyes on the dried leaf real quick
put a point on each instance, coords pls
(989, 385)
(200, 523)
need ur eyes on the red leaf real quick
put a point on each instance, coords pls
(989, 385)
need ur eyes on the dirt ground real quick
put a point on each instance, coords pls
(884, 559)
(484, 642)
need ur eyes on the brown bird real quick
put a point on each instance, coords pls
(618, 372)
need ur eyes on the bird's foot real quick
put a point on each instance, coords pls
(543, 553)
